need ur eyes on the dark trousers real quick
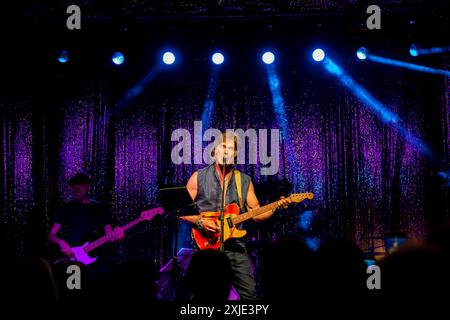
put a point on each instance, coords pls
(243, 279)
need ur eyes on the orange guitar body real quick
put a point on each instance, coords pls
(208, 240)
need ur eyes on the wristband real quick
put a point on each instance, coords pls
(199, 223)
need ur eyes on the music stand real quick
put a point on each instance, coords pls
(178, 201)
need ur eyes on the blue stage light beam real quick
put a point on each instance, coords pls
(445, 175)
(305, 220)
(167, 58)
(407, 65)
(415, 50)
(375, 106)
(279, 110)
(207, 113)
(313, 243)
(139, 87)
(277, 100)
(209, 105)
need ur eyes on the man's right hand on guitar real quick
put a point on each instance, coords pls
(65, 248)
(210, 226)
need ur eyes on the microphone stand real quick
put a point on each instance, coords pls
(222, 206)
(283, 155)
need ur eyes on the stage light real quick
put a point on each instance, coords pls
(63, 56)
(268, 57)
(118, 58)
(217, 58)
(362, 53)
(318, 55)
(413, 51)
(168, 57)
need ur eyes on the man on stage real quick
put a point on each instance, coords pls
(205, 187)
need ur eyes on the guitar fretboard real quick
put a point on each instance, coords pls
(250, 214)
(97, 243)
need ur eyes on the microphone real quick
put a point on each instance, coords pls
(225, 159)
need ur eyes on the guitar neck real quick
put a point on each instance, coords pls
(97, 243)
(250, 214)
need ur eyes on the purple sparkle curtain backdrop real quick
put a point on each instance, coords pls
(361, 171)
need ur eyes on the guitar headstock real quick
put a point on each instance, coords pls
(149, 214)
(299, 197)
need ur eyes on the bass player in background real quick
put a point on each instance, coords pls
(82, 219)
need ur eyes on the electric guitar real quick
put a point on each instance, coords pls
(208, 240)
(81, 254)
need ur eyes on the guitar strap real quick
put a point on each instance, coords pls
(237, 179)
